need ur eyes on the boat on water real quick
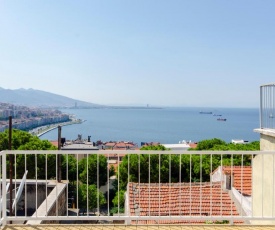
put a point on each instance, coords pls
(221, 119)
(205, 112)
(217, 115)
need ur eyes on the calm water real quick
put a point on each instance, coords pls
(167, 125)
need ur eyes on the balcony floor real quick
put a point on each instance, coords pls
(138, 227)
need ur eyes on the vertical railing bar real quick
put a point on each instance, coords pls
(118, 206)
(262, 184)
(190, 187)
(211, 189)
(270, 107)
(129, 188)
(57, 176)
(272, 185)
(251, 163)
(170, 185)
(46, 185)
(98, 186)
(77, 184)
(242, 167)
(15, 185)
(149, 155)
(231, 222)
(4, 186)
(180, 187)
(67, 179)
(108, 184)
(273, 126)
(231, 182)
(221, 185)
(272, 98)
(261, 106)
(201, 184)
(36, 201)
(26, 192)
(159, 184)
(87, 184)
(265, 108)
(139, 198)
(264, 111)
(1, 195)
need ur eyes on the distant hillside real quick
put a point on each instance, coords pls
(38, 98)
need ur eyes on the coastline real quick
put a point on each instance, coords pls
(40, 131)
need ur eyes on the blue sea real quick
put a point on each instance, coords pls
(164, 125)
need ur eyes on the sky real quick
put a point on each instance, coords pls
(201, 53)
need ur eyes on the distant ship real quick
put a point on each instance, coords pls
(217, 115)
(205, 112)
(221, 119)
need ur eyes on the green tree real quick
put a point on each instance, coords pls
(93, 168)
(118, 202)
(36, 164)
(153, 147)
(89, 197)
(216, 144)
(22, 140)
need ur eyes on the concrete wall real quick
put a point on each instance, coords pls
(263, 180)
(34, 201)
(54, 204)
(59, 206)
(267, 139)
(267, 142)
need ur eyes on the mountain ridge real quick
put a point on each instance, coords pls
(40, 98)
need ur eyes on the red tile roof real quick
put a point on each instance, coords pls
(179, 199)
(120, 145)
(242, 178)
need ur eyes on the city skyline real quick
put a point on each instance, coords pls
(176, 53)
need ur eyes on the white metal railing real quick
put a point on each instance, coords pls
(154, 187)
(267, 106)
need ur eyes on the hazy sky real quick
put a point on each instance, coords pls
(212, 53)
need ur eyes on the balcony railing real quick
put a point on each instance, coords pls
(137, 187)
(267, 106)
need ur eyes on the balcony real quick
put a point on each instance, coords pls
(154, 188)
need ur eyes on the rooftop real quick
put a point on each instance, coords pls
(179, 199)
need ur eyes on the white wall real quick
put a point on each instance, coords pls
(263, 187)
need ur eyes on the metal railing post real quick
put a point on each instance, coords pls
(4, 188)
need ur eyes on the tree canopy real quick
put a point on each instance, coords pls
(153, 147)
(89, 197)
(93, 168)
(22, 140)
(216, 144)
(164, 168)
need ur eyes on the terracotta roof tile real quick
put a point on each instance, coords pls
(179, 199)
(242, 178)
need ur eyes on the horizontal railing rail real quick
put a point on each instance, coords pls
(137, 187)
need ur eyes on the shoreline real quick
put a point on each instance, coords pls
(40, 131)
